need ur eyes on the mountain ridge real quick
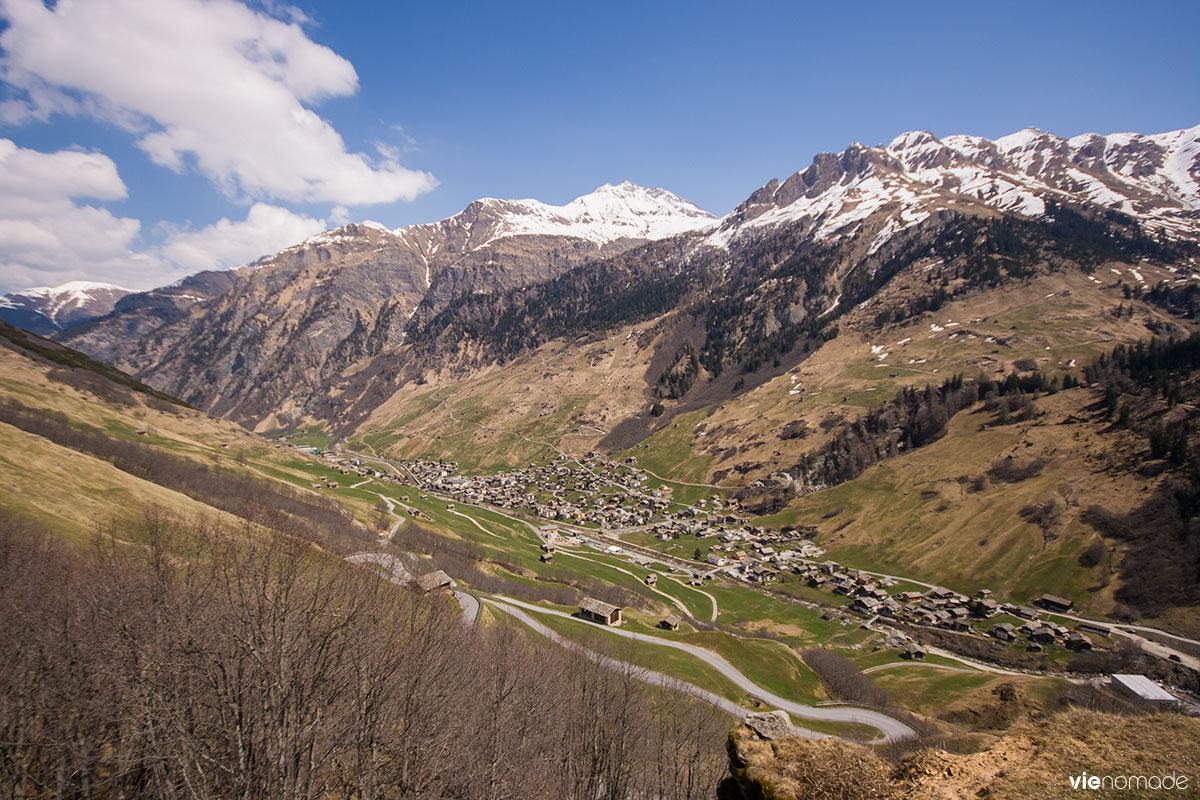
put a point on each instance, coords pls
(48, 309)
(290, 332)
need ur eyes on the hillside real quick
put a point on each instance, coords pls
(326, 331)
(1035, 758)
(171, 486)
(262, 344)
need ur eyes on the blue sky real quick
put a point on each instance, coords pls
(151, 139)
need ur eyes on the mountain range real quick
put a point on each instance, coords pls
(288, 338)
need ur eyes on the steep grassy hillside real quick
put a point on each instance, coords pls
(84, 445)
(989, 505)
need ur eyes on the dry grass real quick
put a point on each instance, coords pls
(1032, 760)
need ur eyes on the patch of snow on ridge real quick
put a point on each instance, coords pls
(1183, 163)
(624, 211)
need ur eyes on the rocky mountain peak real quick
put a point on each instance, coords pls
(1155, 179)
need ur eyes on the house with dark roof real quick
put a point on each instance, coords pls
(599, 611)
(1052, 602)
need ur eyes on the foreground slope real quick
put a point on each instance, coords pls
(1035, 758)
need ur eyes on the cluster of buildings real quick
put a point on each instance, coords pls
(937, 607)
(748, 555)
(581, 492)
(565, 490)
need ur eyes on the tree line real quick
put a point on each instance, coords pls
(1151, 389)
(915, 418)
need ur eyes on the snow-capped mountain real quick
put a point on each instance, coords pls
(352, 290)
(48, 309)
(1154, 179)
(276, 345)
(611, 215)
(624, 211)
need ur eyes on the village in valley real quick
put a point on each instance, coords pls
(594, 502)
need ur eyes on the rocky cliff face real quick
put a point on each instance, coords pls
(1153, 179)
(337, 320)
(118, 336)
(257, 343)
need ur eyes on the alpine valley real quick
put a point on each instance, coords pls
(904, 448)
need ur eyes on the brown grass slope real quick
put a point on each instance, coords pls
(1032, 761)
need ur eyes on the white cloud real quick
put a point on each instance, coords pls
(210, 85)
(226, 243)
(339, 215)
(48, 237)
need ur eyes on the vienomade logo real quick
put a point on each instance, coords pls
(1172, 782)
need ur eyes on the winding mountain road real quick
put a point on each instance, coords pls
(639, 673)
(890, 728)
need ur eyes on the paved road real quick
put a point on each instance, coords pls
(673, 600)
(391, 504)
(891, 728)
(639, 673)
(474, 522)
(470, 606)
(698, 590)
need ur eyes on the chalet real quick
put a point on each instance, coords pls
(1042, 635)
(669, 623)
(715, 560)
(985, 607)
(547, 558)
(1093, 628)
(865, 605)
(1025, 612)
(1054, 603)
(599, 611)
(434, 581)
(1078, 641)
(651, 579)
(913, 651)
(1004, 632)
